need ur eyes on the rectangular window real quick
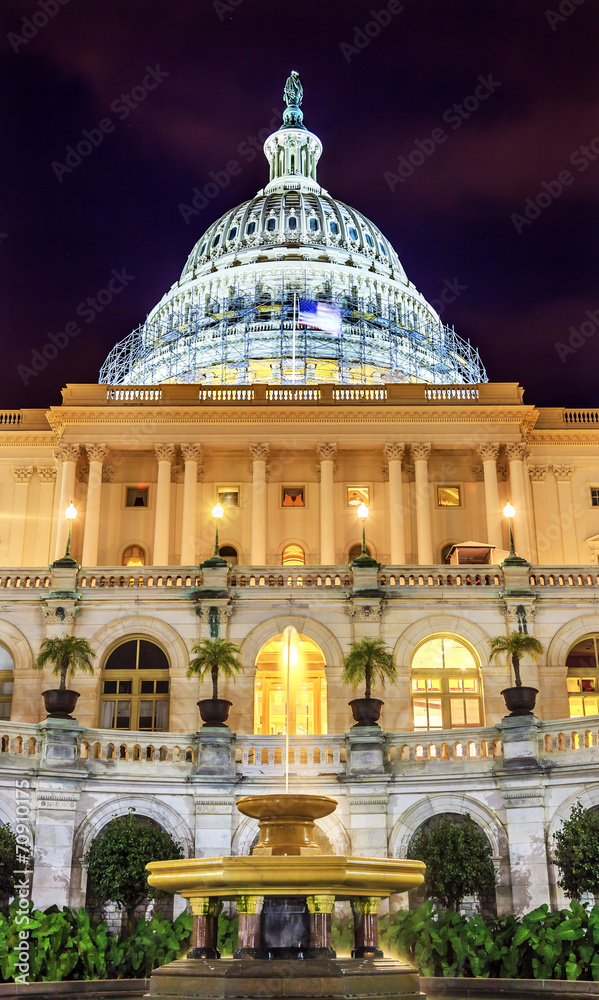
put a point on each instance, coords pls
(137, 496)
(357, 495)
(228, 496)
(448, 496)
(146, 714)
(123, 714)
(293, 496)
(107, 720)
(5, 710)
(6, 687)
(590, 706)
(109, 687)
(594, 496)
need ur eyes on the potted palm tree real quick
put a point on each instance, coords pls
(68, 653)
(519, 700)
(369, 660)
(214, 658)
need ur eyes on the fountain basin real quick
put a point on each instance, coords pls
(286, 821)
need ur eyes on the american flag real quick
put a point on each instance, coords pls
(321, 315)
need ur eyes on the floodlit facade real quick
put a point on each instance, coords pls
(221, 409)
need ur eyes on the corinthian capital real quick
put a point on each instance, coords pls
(563, 473)
(191, 452)
(326, 452)
(515, 452)
(68, 452)
(47, 474)
(96, 452)
(22, 474)
(538, 473)
(259, 452)
(164, 452)
(393, 452)
(421, 452)
(488, 452)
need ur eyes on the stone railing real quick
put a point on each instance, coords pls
(441, 576)
(138, 747)
(21, 739)
(565, 576)
(582, 417)
(575, 734)
(311, 755)
(25, 579)
(290, 576)
(140, 576)
(464, 745)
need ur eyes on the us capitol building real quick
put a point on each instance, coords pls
(295, 376)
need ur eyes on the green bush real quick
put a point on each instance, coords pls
(577, 852)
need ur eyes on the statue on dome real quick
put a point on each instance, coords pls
(294, 92)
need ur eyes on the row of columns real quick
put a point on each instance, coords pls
(259, 455)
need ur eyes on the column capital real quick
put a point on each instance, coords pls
(250, 904)
(421, 452)
(22, 474)
(538, 473)
(393, 452)
(47, 474)
(563, 473)
(320, 903)
(96, 452)
(164, 452)
(488, 452)
(191, 452)
(68, 452)
(516, 451)
(326, 452)
(260, 452)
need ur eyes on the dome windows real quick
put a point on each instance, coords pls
(383, 251)
(369, 239)
(251, 228)
(233, 233)
(313, 224)
(352, 233)
(334, 227)
(292, 222)
(216, 240)
(271, 225)
(203, 250)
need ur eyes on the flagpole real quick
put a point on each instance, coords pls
(293, 340)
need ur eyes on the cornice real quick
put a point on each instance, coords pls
(590, 437)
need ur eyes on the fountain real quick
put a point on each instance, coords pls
(285, 893)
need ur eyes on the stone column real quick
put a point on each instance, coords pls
(397, 542)
(326, 457)
(57, 797)
(421, 454)
(192, 454)
(563, 475)
(538, 479)
(96, 453)
(259, 454)
(515, 455)
(164, 455)
(320, 908)
(249, 909)
(488, 456)
(205, 927)
(22, 477)
(366, 927)
(47, 476)
(68, 453)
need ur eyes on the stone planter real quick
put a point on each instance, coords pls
(59, 704)
(520, 700)
(214, 711)
(366, 711)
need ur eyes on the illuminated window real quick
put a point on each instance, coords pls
(6, 682)
(594, 496)
(228, 496)
(308, 690)
(582, 682)
(448, 496)
(134, 555)
(446, 685)
(357, 495)
(135, 687)
(229, 552)
(294, 555)
(137, 496)
(355, 551)
(292, 496)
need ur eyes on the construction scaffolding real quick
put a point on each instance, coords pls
(255, 337)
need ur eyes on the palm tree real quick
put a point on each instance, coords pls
(68, 654)
(368, 660)
(514, 647)
(215, 657)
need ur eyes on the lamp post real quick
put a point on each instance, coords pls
(216, 559)
(509, 512)
(67, 560)
(363, 559)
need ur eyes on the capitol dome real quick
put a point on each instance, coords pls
(257, 284)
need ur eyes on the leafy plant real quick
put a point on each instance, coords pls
(514, 647)
(458, 861)
(13, 857)
(68, 653)
(215, 657)
(117, 861)
(577, 852)
(369, 660)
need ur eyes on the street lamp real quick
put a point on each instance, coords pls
(508, 512)
(216, 559)
(363, 559)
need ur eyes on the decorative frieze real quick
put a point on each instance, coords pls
(360, 611)
(519, 614)
(63, 613)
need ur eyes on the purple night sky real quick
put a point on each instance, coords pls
(206, 77)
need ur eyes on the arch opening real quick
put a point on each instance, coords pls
(135, 687)
(446, 685)
(307, 695)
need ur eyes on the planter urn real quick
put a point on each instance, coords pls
(59, 703)
(214, 712)
(366, 711)
(520, 700)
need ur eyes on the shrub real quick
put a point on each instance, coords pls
(577, 852)
(458, 859)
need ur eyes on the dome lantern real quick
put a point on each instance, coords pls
(292, 151)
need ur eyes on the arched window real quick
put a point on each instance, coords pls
(308, 690)
(293, 555)
(230, 553)
(355, 551)
(446, 685)
(7, 667)
(134, 555)
(135, 687)
(583, 676)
